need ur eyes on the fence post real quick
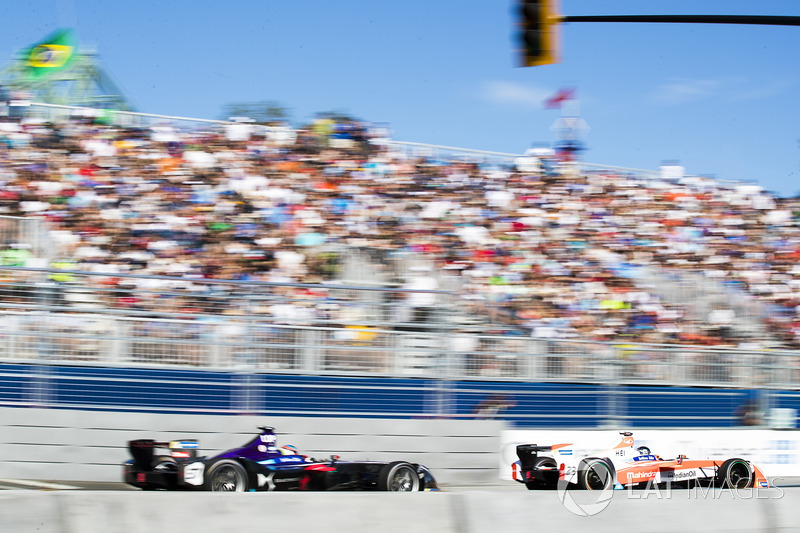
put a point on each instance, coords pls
(614, 408)
(311, 346)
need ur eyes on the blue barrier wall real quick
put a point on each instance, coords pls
(523, 404)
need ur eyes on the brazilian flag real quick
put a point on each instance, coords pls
(51, 54)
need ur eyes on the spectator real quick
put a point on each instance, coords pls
(563, 256)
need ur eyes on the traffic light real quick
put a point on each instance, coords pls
(538, 32)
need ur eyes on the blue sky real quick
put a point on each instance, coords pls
(720, 99)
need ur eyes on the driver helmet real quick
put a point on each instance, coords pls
(288, 450)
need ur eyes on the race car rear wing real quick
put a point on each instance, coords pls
(527, 453)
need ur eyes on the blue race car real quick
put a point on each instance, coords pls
(260, 465)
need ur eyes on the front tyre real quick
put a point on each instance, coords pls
(595, 474)
(226, 475)
(735, 474)
(398, 476)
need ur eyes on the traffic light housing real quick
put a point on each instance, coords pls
(538, 32)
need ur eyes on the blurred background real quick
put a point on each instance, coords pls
(254, 264)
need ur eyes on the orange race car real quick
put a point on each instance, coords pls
(625, 465)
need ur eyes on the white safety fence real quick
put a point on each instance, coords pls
(53, 316)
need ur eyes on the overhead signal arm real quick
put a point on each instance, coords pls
(538, 20)
(764, 20)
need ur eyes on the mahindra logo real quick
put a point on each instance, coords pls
(641, 475)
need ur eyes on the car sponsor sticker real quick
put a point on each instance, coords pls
(678, 475)
(283, 460)
(640, 476)
(184, 445)
(181, 455)
(193, 473)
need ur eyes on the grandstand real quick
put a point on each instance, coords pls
(241, 268)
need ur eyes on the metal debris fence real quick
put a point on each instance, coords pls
(77, 317)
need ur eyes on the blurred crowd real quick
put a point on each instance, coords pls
(534, 244)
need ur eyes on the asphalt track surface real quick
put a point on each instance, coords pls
(24, 484)
(791, 483)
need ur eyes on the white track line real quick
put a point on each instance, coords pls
(38, 484)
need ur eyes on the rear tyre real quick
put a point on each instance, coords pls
(735, 474)
(547, 480)
(595, 474)
(165, 463)
(226, 475)
(398, 476)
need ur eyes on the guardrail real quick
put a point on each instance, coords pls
(62, 316)
(205, 345)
